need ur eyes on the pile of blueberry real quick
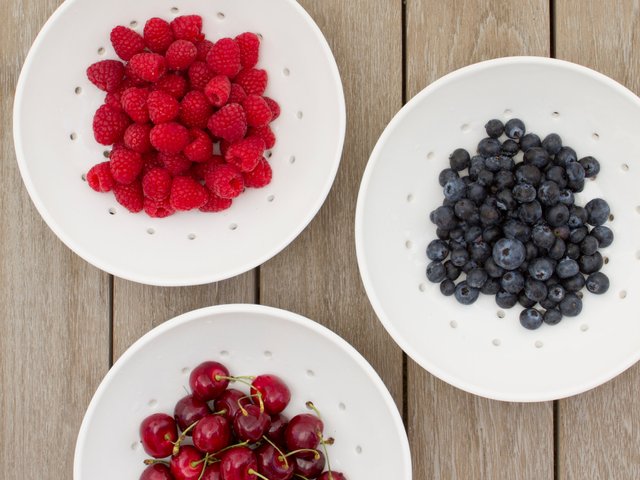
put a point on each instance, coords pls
(514, 228)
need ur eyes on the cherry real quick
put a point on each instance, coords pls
(230, 402)
(206, 382)
(273, 464)
(212, 472)
(212, 433)
(275, 393)
(158, 433)
(250, 424)
(303, 432)
(332, 476)
(187, 464)
(157, 471)
(276, 430)
(239, 464)
(309, 467)
(189, 410)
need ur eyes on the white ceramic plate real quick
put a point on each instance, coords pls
(318, 365)
(474, 348)
(188, 248)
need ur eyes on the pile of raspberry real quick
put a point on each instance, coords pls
(187, 118)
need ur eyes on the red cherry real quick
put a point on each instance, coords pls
(239, 464)
(212, 472)
(250, 424)
(309, 467)
(157, 471)
(272, 464)
(275, 393)
(212, 434)
(189, 410)
(332, 476)
(158, 432)
(187, 464)
(230, 402)
(303, 432)
(276, 430)
(205, 381)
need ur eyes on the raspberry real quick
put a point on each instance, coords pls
(237, 94)
(218, 90)
(134, 103)
(225, 181)
(199, 75)
(148, 66)
(216, 204)
(99, 177)
(156, 184)
(177, 164)
(224, 146)
(109, 125)
(260, 176)
(266, 134)
(229, 123)
(249, 44)
(107, 75)
(129, 82)
(246, 154)
(188, 27)
(257, 111)
(130, 196)
(203, 49)
(158, 35)
(114, 100)
(200, 170)
(274, 107)
(224, 58)
(158, 209)
(136, 137)
(180, 55)
(173, 84)
(201, 147)
(169, 137)
(195, 110)
(126, 165)
(126, 42)
(150, 161)
(253, 81)
(187, 194)
(162, 106)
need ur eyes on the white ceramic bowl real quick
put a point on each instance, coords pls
(318, 365)
(188, 248)
(474, 348)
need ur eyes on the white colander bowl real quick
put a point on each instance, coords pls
(53, 114)
(481, 348)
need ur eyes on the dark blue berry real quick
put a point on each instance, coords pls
(477, 165)
(492, 164)
(492, 269)
(547, 304)
(512, 282)
(443, 234)
(565, 156)
(590, 263)
(457, 244)
(524, 192)
(575, 172)
(480, 251)
(476, 278)
(567, 268)
(494, 128)
(542, 268)
(577, 235)
(505, 199)
(573, 251)
(543, 236)
(548, 192)
(470, 265)
(525, 301)
(537, 156)
(447, 287)
(571, 306)
(446, 175)
(506, 299)
(529, 141)
(489, 215)
(557, 215)
(464, 209)
(485, 178)
(508, 253)
(491, 234)
(453, 272)
(436, 272)
(597, 212)
(566, 197)
(437, 250)
(557, 174)
(459, 257)
(535, 289)
(532, 251)
(454, 189)
(576, 185)
(530, 319)
(459, 159)
(504, 179)
(589, 245)
(528, 174)
(558, 250)
(552, 143)
(530, 212)
(489, 147)
(444, 217)
(556, 293)
(604, 235)
(573, 284)
(515, 128)
(517, 230)
(465, 294)
(510, 147)
(473, 234)
(591, 166)
(476, 193)
(491, 286)
(597, 283)
(552, 316)
(562, 231)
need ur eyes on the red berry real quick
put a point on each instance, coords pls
(109, 125)
(134, 103)
(275, 393)
(208, 380)
(333, 475)
(99, 177)
(148, 66)
(237, 94)
(136, 137)
(189, 409)
(216, 204)
(212, 472)
(266, 134)
(156, 184)
(188, 27)
(260, 176)
(174, 84)
(158, 209)
(107, 75)
(187, 194)
(218, 90)
(276, 430)
(237, 463)
(199, 75)
(158, 35)
(169, 137)
(224, 58)
(203, 49)
(250, 424)
(126, 42)
(195, 109)
(150, 161)
(253, 81)
(199, 170)
(180, 55)
(246, 153)
(187, 464)
(158, 433)
(157, 471)
(177, 164)
(229, 123)
(303, 432)
(163, 107)
(126, 165)
(211, 434)
(249, 44)
(272, 464)
(257, 111)
(113, 99)
(130, 196)
(201, 147)
(230, 402)
(273, 106)
(225, 181)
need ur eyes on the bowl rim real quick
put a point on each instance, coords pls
(365, 274)
(244, 308)
(175, 280)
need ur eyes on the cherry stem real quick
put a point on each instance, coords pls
(316, 453)
(311, 406)
(243, 410)
(153, 461)
(251, 471)
(243, 380)
(301, 476)
(282, 454)
(220, 412)
(324, 444)
(183, 435)
(241, 444)
(204, 466)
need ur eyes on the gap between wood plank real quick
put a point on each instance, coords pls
(110, 294)
(405, 368)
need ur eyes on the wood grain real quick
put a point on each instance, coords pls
(599, 431)
(455, 435)
(317, 275)
(54, 318)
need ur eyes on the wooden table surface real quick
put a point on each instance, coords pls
(64, 322)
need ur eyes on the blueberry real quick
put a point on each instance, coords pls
(524, 193)
(473, 234)
(535, 289)
(444, 218)
(508, 253)
(443, 234)
(476, 193)
(477, 164)
(573, 284)
(489, 215)
(485, 178)
(477, 277)
(480, 252)
(558, 250)
(542, 268)
(492, 269)
(556, 293)
(562, 231)
(447, 287)
(525, 301)
(489, 147)
(530, 319)
(510, 147)
(528, 174)
(557, 215)
(494, 128)
(506, 162)
(456, 234)
(529, 141)
(459, 257)
(464, 209)
(577, 235)
(491, 286)
(537, 156)
(492, 163)
(459, 159)
(597, 283)
(590, 263)
(532, 251)
(512, 282)
(573, 251)
(465, 294)
(597, 212)
(576, 185)
(505, 199)
(457, 244)
(452, 271)
(491, 234)
(604, 235)
(571, 306)
(589, 245)
(504, 179)
(530, 212)
(552, 143)
(454, 189)
(567, 268)
(565, 156)
(446, 175)
(543, 236)
(470, 265)
(517, 230)
(547, 304)
(574, 221)
(448, 202)
(566, 197)
(575, 172)
(437, 250)
(436, 272)
(552, 316)
(591, 166)
(557, 174)
(515, 128)
(506, 299)
(548, 192)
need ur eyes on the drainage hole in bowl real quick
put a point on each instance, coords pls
(83, 177)
(611, 217)
(268, 154)
(112, 211)
(300, 115)
(73, 136)
(153, 402)
(606, 260)
(500, 313)
(106, 153)
(358, 449)
(135, 445)
(430, 155)
(101, 51)
(191, 236)
(539, 344)
(224, 353)
(221, 15)
(185, 370)
(233, 226)
(580, 295)
(311, 373)
(422, 287)
(268, 354)
(595, 136)
(555, 114)
(453, 324)
(625, 167)
(584, 327)
(508, 111)
(133, 24)
(286, 72)
(623, 294)
(342, 406)
(408, 244)
(638, 254)
(292, 160)
(175, 9)
(151, 231)
(260, 36)
(410, 198)
(271, 198)
(78, 90)
(496, 342)
(465, 127)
